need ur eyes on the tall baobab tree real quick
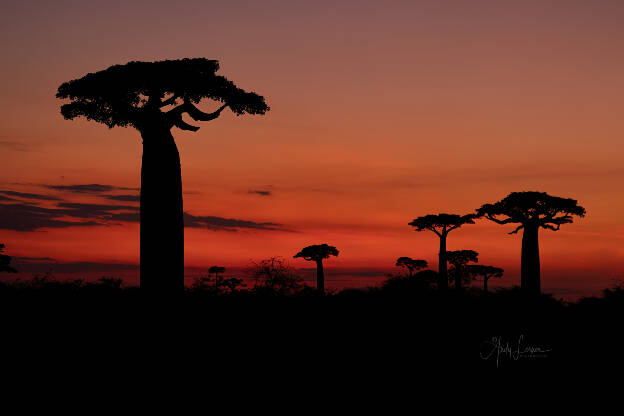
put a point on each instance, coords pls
(5, 262)
(152, 97)
(441, 225)
(411, 264)
(532, 211)
(458, 260)
(486, 273)
(318, 253)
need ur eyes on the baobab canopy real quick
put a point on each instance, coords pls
(121, 94)
(536, 208)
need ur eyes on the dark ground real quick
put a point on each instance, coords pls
(381, 333)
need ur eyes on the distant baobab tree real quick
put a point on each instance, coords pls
(485, 272)
(441, 225)
(136, 95)
(5, 262)
(532, 211)
(458, 260)
(318, 253)
(411, 265)
(216, 270)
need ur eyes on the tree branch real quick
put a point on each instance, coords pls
(182, 125)
(169, 101)
(198, 115)
(521, 226)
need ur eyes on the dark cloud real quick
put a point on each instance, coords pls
(22, 216)
(27, 217)
(19, 147)
(99, 211)
(30, 196)
(92, 188)
(44, 264)
(123, 198)
(6, 198)
(228, 224)
(260, 192)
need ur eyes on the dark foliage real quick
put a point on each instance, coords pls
(5, 262)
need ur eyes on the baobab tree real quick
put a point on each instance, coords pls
(152, 97)
(485, 272)
(411, 265)
(318, 253)
(216, 270)
(441, 225)
(5, 262)
(458, 260)
(532, 211)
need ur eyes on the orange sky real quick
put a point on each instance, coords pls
(380, 112)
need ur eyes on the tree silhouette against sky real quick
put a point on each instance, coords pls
(532, 211)
(152, 97)
(485, 272)
(458, 260)
(441, 225)
(318, 253)
(411, 265)
(5, 262)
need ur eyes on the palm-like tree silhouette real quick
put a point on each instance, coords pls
(411, 265)
(216, 270)
(458, 260)
(136, 95)
(441, 225)
(318, 253)
(532, 211)
(486, 273)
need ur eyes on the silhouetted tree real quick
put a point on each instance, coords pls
(411, 265)
(486, 273)
(318, 253)
(216, 270)
(458, 260)
(5, 262)
(275, 276)
(136, 95)
(532, 210)
(441, 225)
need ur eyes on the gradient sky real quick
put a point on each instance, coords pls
(380, 112)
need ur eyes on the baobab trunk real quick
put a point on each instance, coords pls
(530, 262)
(162, 228)
(320, 278)
(442, 270)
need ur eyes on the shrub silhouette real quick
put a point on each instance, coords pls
(458, 260)
(485, 272)
(441, 225)
(532, 210)
(317, 253)
(134, 95)
(411, 265)
(5, 262)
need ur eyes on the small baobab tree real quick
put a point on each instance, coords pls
(152, 97)
(318, 253)
(485, 272)
(5, 262)
(458, 260)
(531, 211)
(411, 265)
(441, 225)
(216, 270)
